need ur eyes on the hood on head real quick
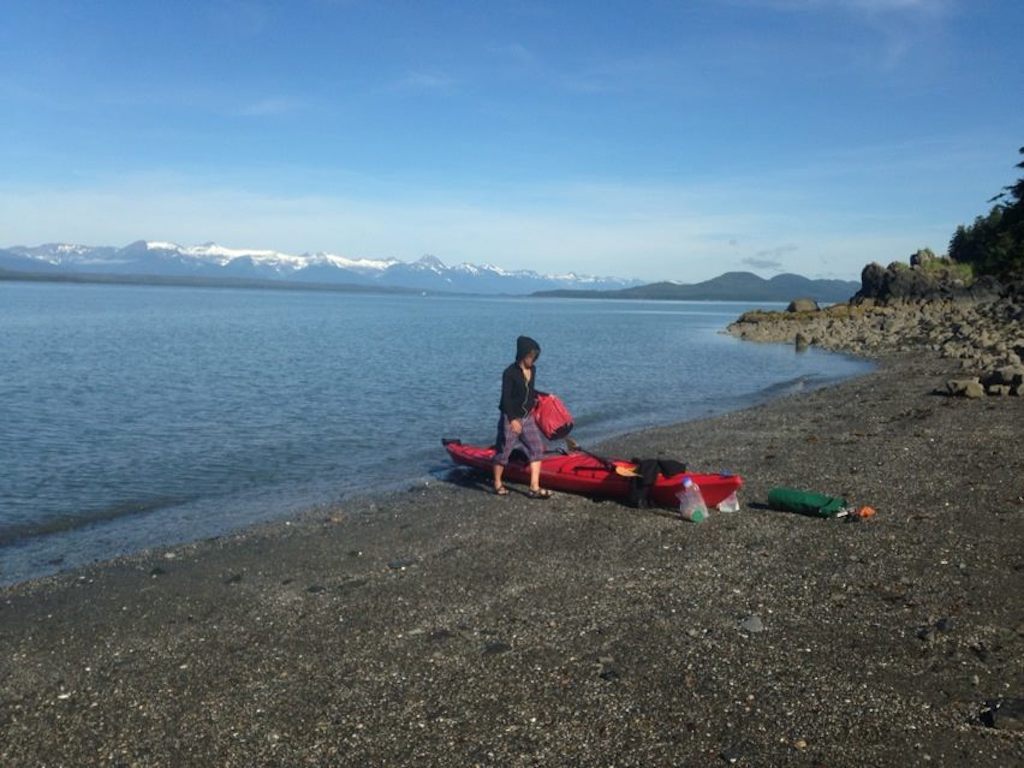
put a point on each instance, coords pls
(524, 346)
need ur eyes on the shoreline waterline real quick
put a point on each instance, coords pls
(73, 544)
(35, 557)
(231, 408)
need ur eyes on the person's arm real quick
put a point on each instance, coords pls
(508, 404)
(512, 391)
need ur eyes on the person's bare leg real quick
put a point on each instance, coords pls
(499, 471)
(534, 475)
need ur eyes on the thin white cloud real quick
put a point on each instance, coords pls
(422, 80)
(765, 264)
(516, 53)
(778, 252)
(903, 28)
(770, 258)
(270, 106)
(665, 72)
(884, 6)
(239, 18)
(868, 6)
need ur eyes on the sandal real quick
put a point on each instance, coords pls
(540, 493)
(502, 491)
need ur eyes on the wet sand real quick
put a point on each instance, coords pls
(446, 626)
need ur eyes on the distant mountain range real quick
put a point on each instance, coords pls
(731, 286)
(211, 261)
(166, 263)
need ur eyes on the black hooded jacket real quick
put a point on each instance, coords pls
(517, 395)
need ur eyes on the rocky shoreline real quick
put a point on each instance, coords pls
(979, 327)
(446, 626)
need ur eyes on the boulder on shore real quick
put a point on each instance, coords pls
(802, 305)
(1009, 375)
(965, 388)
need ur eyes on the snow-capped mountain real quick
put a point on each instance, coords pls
(165, 259)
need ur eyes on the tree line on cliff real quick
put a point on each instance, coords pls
(994, 243)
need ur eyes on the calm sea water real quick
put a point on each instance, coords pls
(133, 417)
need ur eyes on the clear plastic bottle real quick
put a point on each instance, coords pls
(691, 502)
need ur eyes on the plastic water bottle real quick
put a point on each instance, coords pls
(691, 502)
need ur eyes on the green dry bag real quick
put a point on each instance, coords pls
(805, 502)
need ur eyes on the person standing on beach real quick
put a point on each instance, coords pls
(516, 427)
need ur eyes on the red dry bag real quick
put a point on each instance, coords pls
(552, 416)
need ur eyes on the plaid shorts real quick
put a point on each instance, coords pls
(530, 440)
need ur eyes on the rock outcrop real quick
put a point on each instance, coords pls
(903, 309)
(922, 281)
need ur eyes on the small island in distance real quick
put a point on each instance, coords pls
(731, 286)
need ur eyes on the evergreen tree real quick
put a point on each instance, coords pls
(994, 244)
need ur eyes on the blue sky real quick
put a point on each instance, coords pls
(661, 140)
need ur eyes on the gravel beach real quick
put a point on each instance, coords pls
(446, 626)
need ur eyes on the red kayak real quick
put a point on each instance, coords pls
(581, 472)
